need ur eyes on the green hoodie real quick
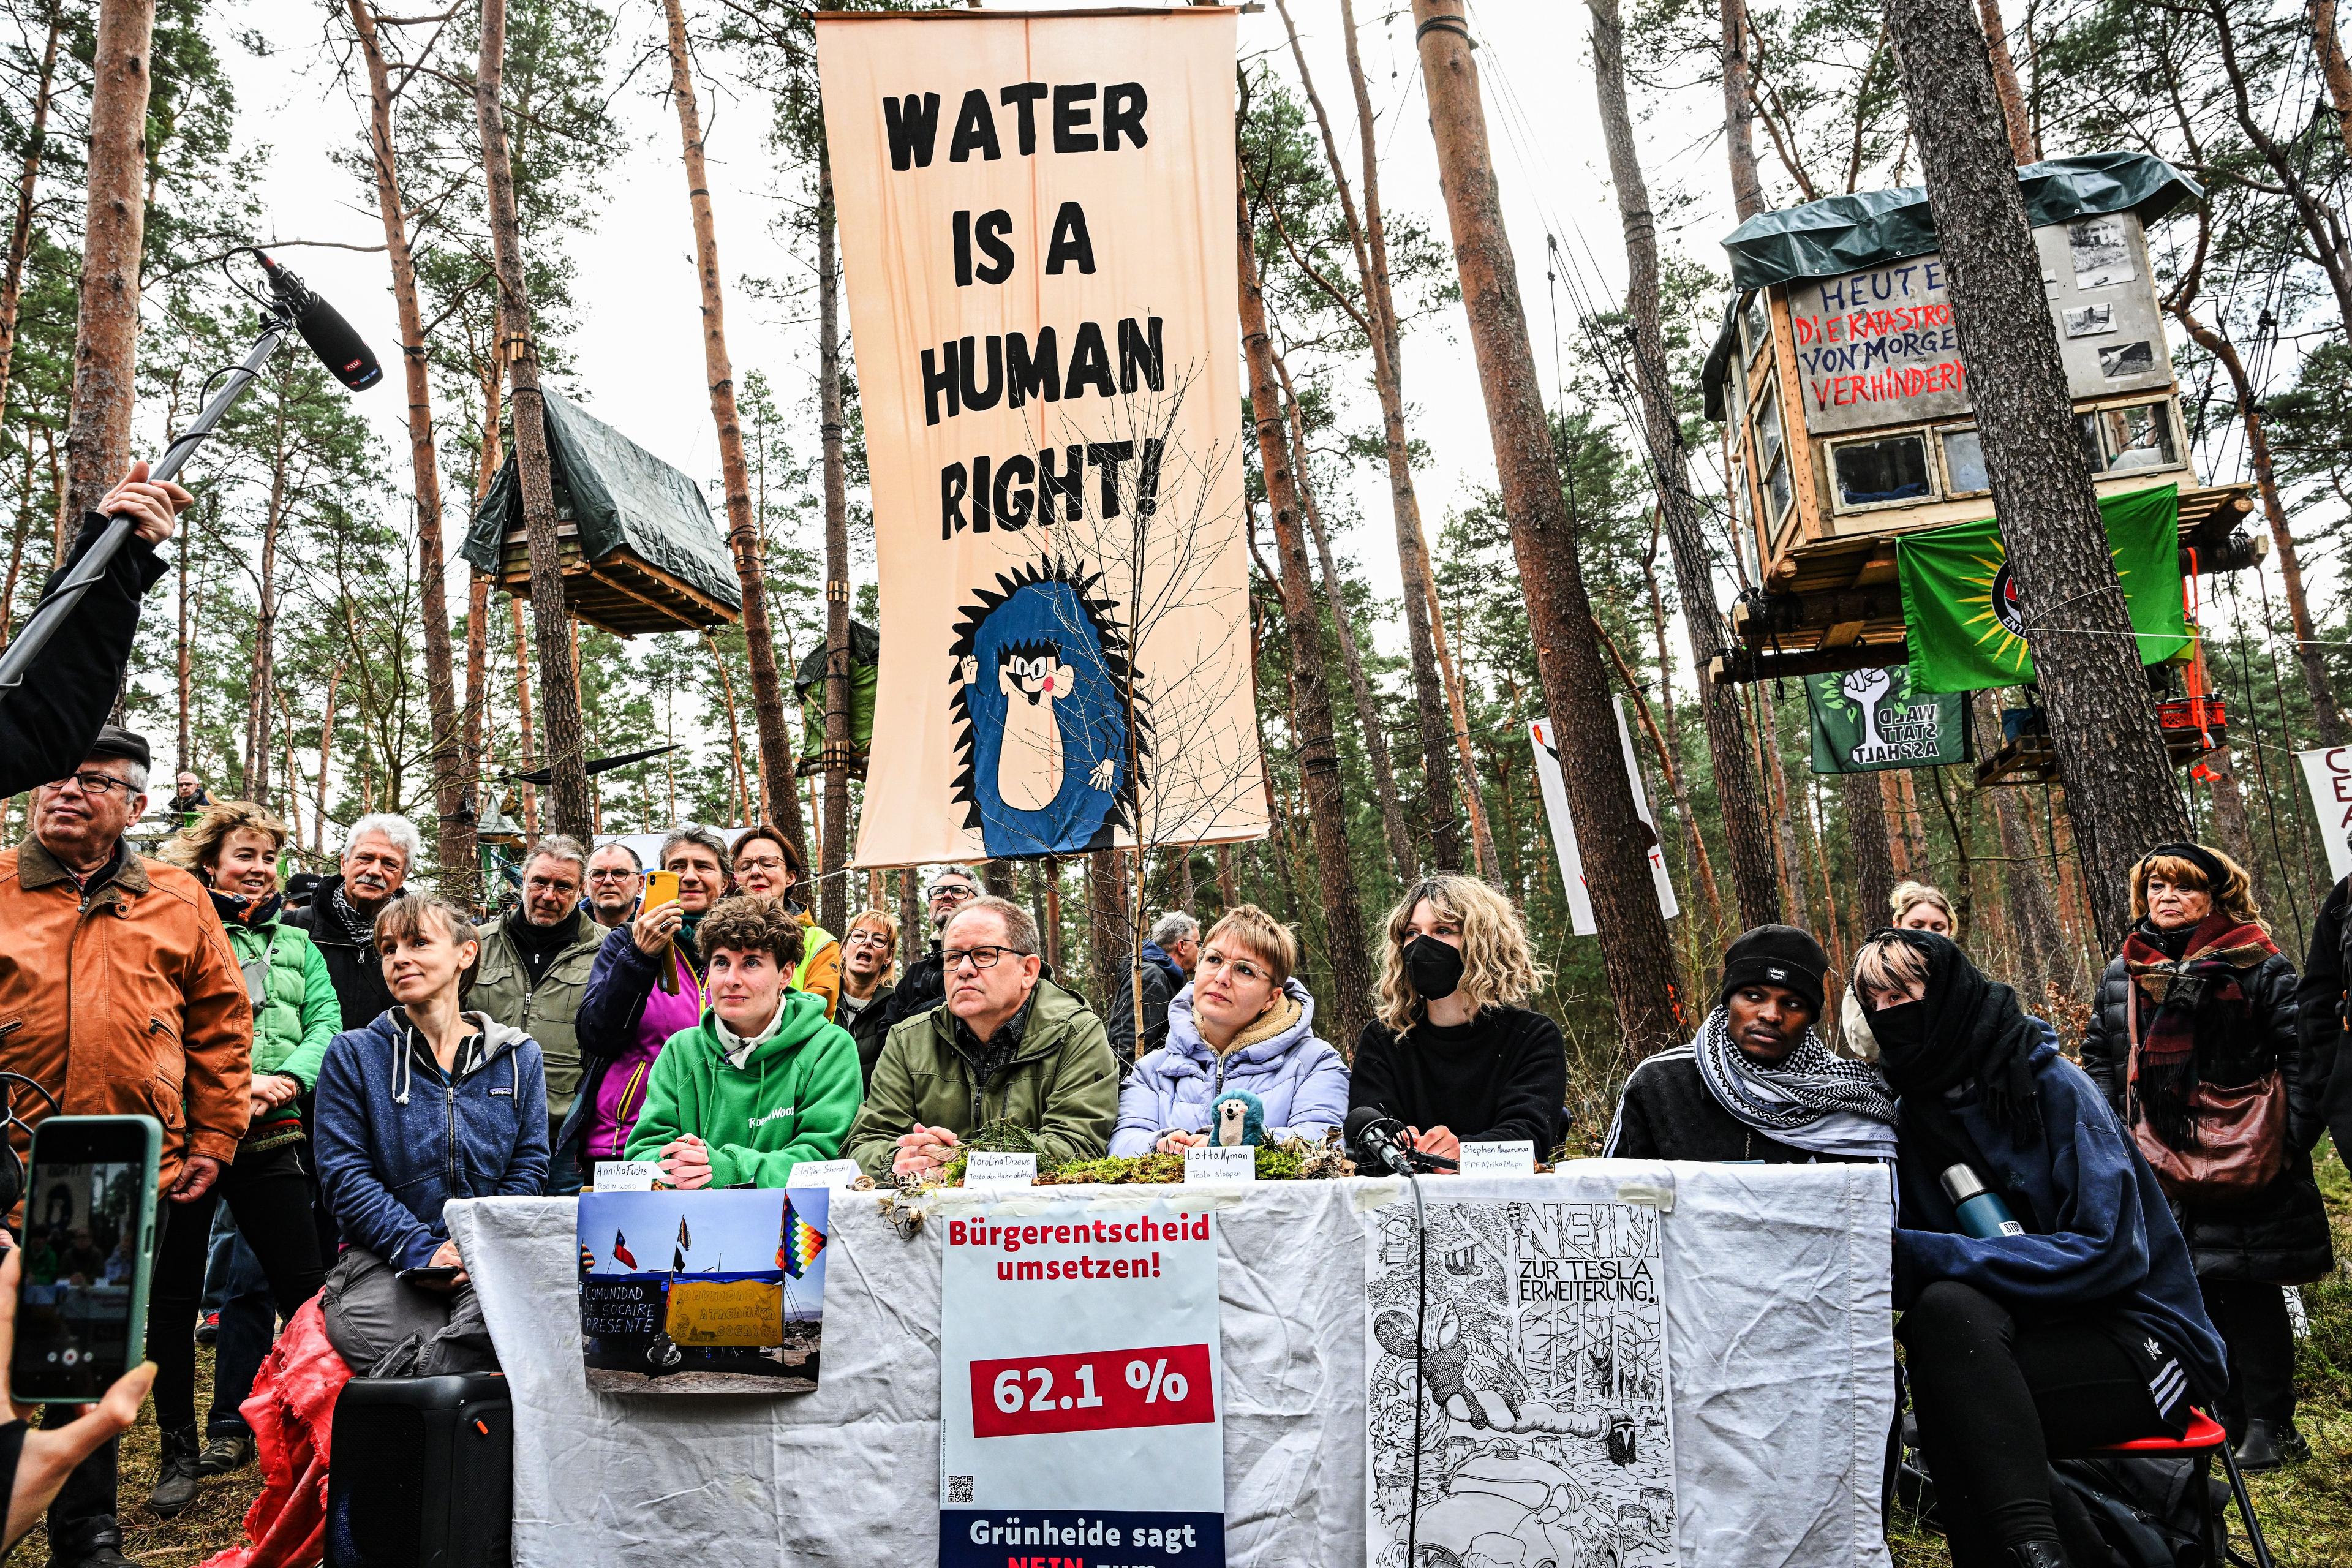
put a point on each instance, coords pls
(793, 1099)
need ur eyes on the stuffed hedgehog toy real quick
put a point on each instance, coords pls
(1237, 1118)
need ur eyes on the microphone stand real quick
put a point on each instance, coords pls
(91, 569)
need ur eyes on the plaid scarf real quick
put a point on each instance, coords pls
(2197, 993)
(1809, 1083)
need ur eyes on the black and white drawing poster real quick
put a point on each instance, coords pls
(1541, 1391)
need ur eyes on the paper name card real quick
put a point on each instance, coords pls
(1213, 1162)
(841, 1174)
(1511, 1157)
(991, 1168)
(627, 1176)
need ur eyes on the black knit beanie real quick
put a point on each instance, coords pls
(1776, 955)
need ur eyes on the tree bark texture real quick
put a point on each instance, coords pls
(564, 737)
(1866, 841)
(20, 231)
(836, 550)
(1739, 113)
(2333, 67)
(1367, 714)
(452, 829)
(1744, 817)
(522, 717)
(1318, 755)
(106, 333)
(742, 524)
(1636, 949)
(2119, 781)
(2004, 81)
(1109, 951)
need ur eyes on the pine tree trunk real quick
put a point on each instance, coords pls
(1739, 113)
(454, 831)
(1318, 755)
(997, 877)
(265, 619)
(2103, 723)
(734, 730)
(522, 717)
(2232, 831)
(1636, 949)
(20, 232)
(1109, 953)
(1866, 838)
(1727, 743)
(2004, 81)
(1367, 714)
(2334, 69)
(477, 611)
(742, 525)
(836, 550)
(566, 740)
(106, 334)
(2047, 957)
(1791, 868)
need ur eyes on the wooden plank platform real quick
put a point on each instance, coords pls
(621, 593)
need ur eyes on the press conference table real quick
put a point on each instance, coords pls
(1777, 1297)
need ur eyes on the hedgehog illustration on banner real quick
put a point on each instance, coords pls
(1049, 762)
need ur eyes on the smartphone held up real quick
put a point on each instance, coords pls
(89, 1246)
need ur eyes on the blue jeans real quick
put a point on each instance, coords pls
(218, 1247)
(249, 1323)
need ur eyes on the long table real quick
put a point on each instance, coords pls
(1778, 1296)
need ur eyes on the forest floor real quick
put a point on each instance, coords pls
(2305, 1510)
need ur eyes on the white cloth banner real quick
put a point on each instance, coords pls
(1563, 825)
(1779, 1319)
(2327, 774)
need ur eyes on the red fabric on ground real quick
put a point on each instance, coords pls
(292, 1414)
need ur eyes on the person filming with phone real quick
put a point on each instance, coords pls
(125, 999)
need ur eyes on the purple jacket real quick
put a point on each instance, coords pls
(1301, 1080)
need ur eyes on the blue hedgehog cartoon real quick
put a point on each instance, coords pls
(1042, 703)
(1237, 1118)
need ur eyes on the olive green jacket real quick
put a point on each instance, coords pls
(502, 989)
(1062, 1084)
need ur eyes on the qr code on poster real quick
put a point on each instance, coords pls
(959, 1488)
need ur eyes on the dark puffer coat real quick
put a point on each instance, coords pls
(2279, 1235)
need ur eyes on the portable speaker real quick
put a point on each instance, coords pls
(422, 1474)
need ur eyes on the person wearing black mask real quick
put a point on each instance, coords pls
(1758, 1084)
(1451, 1053)
(2081, 1329)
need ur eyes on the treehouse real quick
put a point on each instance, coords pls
(641, 551)
(1848, 408)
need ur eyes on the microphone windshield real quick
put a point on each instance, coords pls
(347, 358)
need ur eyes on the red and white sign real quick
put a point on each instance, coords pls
(2328, 774)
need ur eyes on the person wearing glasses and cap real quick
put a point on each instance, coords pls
(1007, 1044)
(922, 988)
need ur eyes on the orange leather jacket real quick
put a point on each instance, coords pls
(129, 1002)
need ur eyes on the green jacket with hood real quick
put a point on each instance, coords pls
(793, 1099)
(298, 1016)
(1061, 1083)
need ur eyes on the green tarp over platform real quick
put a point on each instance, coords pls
(808, 681)
(621, 497)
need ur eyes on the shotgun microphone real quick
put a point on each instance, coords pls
(340, 349)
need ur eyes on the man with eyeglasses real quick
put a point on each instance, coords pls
(867, 948)
(122, 996)
(617, 880)
(534, 968)
(921, 988)
(1006, 1045)
(1163, 967)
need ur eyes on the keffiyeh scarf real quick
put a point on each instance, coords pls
(1811, 1098)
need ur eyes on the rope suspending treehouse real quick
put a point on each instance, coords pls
(1839, 370)
(641, 551)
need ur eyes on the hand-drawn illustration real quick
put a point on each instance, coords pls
(1545, 1436)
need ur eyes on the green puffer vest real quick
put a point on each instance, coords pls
(548, 1014)
(277, 1022)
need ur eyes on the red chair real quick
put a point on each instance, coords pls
(2205, 1437)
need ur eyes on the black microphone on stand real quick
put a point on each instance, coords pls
(322, 327)
(1378, 1139)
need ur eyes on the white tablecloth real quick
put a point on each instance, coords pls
(1778, 1314)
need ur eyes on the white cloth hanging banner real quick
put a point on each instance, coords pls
(1038, 233)
(2327, 774)
(1563, 827)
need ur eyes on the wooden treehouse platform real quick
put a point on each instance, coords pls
(621, 592)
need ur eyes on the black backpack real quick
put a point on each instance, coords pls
(2137, 1512)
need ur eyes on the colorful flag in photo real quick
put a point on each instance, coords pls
(797, 1242)
(620, 1253)
(677, 1253)
(1964, 616)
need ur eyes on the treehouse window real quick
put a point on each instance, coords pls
(2138, 437)
(1755, 325)
(1881, 471)
(1771, 462)
(1964, 464)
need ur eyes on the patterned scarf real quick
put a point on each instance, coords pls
(360, 931)
(248, 910)
(1808, 1084)
(2198, 992)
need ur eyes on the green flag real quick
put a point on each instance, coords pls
(1866, 720)
(1961, 607)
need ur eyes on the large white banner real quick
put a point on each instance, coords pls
(1080, 1388)
(2327, 774)
(1037, 232)
(1563, 827)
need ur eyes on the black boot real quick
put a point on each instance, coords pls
(176, 1476)
(98, 1545)
(2268, 1445)
(2037, 1554)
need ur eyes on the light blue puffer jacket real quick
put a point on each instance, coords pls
(1301, 1080)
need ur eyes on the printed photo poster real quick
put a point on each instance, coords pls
(1554, 784)
(1541, 1379)
(1081, 1387)
(1037, 229)
(703, 1292)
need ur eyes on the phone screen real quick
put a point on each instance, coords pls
(81, 1308)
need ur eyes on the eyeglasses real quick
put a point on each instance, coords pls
(952, 958)
(764, 863)
(610, 875)
(953, 892)
(1240, 968)
(96, 786)
(867, 938)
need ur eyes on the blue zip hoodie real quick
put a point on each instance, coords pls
(397, 1138)
(2101, 1238)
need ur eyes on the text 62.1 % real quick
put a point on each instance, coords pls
(1167, 1386)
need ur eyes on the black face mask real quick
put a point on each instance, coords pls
(1434, 967)
(1901, 1027)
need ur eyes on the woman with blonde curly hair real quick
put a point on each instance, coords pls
(1451, 1053)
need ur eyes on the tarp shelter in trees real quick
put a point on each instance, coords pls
(808, 685)
(1839, 368)
(641, 551)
